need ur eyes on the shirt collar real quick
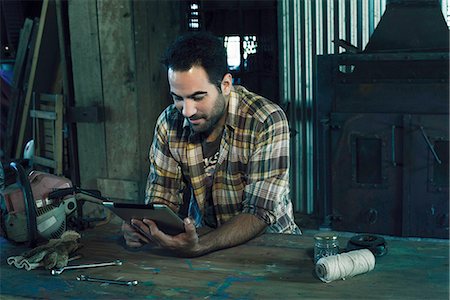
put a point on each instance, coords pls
(233, 106)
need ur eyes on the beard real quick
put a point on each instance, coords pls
(211, 120)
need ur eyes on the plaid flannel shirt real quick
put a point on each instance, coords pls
(252, 172)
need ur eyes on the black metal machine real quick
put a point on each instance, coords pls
(383, 127)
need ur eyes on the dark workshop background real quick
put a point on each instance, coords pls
(364, 84)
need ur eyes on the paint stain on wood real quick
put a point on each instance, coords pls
(221, 288)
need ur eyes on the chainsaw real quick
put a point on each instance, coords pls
(36, 206)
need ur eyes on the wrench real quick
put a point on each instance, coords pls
(92, 279)
(60, 270)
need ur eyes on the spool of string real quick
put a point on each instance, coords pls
(345, 265)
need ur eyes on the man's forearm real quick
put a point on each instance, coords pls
(238, 230)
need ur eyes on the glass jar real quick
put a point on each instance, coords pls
(325, 244)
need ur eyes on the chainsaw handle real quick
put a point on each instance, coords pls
(30, 206)
(61, 193)
(89, 195)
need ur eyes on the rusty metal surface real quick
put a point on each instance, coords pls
(365, 180)
(426, 176)
(382, 128)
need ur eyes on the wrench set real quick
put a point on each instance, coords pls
(93, 279)
(102, 280)
(60, 270)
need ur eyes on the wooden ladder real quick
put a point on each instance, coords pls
(47, 117)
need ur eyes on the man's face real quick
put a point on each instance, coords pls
(197, 98)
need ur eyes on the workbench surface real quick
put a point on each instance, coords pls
(271, 266)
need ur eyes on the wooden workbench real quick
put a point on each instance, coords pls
(269, 267)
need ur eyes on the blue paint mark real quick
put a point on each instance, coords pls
(151, 286)
(148, 283)
(189, 263)
(228, 282)
(212, 283)
(153, 270)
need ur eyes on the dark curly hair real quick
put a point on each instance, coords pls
(198, 49)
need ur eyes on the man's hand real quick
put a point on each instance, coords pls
(186, 243)
(238, 230)
(143, 232)
(132, 237)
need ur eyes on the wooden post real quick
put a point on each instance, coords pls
(19, 70)
(88, 92)
(72, 150)
(26, 105)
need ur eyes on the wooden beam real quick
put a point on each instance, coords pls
(59, 147)
(87, 81)
(48, 135)
(39, 160)
(63, 37)
(26, 106)
(26, 36)
(48, 115)
(119, 88)
(151, 79)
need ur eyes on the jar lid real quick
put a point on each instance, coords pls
(326, 236)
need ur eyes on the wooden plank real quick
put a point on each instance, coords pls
(29, 60)
(62, 48)
(271, 266)
(119, 189)
(13, 114)
(31, 79)
(87, 80)
(151, 78)
(25, 36)
(25, 42)
(48, 131)
(127, 128)
(58, 146)
(84, 114)
(48, 115)
(50, 97)
(43, 161)
(71, 161)
(119, 88)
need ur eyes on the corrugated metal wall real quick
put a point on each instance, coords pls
(308, 28)
(446, 11)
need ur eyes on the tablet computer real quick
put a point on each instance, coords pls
(166, 220)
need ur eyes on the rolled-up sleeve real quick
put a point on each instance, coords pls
(164, 182)
(266, 194)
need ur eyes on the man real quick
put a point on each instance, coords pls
(219, 157)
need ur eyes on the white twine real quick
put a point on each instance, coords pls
(345, 265)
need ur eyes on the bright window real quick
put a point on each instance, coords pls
(194, 22)
(234, 46)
